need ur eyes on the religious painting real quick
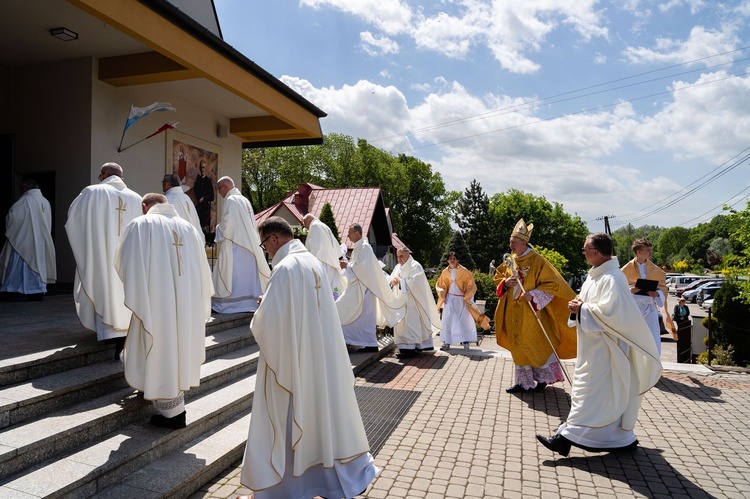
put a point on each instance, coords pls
(196, 163)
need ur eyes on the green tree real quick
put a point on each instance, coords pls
(701, 236)
(458, 245)
(420, 212)
(670, 245)
(326, 216)
(555, 259)
(553, 227)
(733, 321)
(475, 221)
(625, 236)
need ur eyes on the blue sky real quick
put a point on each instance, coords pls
(622, 108)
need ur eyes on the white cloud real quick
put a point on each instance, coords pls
(701, 43)
(390, 16)
(385, 74)
(509, 30)
(695, 5)
(577, 160)
(377, 45)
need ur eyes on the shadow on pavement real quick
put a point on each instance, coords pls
(390, 370)
(645, 471)
(695, 391)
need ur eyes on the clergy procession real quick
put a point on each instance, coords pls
(143, 282)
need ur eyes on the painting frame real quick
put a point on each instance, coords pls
(185, 155)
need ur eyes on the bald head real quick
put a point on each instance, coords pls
(307, 220)
(151, 199)
(110, 169)
(224, 185)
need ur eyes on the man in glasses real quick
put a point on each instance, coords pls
(306, 435)
(617, 360)
(96, 221)
(241, 272)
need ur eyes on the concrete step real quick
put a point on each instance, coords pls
(30, 399)
(85, 352)
(59, 431)
(117, 456)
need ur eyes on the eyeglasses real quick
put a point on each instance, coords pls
(262, 243)
(584, 250)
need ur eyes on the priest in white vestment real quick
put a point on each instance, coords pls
(96, 221)
(325, 247)
(421, 319)
(368, 300)
(306, 434)
(27, 262)
(182, 203)
(241, 272)
(168, 287)
(617, 360)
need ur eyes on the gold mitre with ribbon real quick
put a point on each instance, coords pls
(522, 231)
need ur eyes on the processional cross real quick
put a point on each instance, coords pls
(120, 208)
(177, 244)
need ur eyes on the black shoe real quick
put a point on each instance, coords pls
(119, 345)
(430, 349)
(368, 350)
(540, 386)
(35, 297)
(517, 389)
(558, 444)
(628, 448)
(174, 423)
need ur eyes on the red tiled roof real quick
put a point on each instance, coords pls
(352, 205)
(396, 242)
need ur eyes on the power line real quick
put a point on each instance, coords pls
(542, 101)
(542, 120)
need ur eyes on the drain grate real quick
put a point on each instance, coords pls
(382, 410)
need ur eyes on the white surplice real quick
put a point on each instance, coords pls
(27, 262)
(168, 287)
(96, 220)
(305, 414)
(458, 324)
(421, 318)
(241, 272)
(617, 362)
(185, 208)
(325, 247)
(364, 273)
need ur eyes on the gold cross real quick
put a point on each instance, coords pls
(177, 244)
(122, 207)
(317, 287)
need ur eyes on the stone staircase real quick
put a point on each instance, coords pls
(70, 426)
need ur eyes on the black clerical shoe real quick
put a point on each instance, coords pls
(369, 349)
(540, 386)
(429, 349)
(174, 423)
(517, 389)
(558, 444)
(406, 354)
(119, 345)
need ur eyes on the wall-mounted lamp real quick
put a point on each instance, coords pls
(64, 34)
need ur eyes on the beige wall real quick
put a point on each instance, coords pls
(67, 121)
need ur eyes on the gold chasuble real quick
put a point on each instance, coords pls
(467, 285)
(517, 329)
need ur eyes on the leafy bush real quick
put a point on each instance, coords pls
(733, 321)
(486, 291)
(720, 356)
(680, 266)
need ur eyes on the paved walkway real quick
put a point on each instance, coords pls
(464, 437)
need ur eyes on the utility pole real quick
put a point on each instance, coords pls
(607, 228)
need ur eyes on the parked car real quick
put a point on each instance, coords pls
(706, 305)
(690, 292)
(708, 292)
(679, 282)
